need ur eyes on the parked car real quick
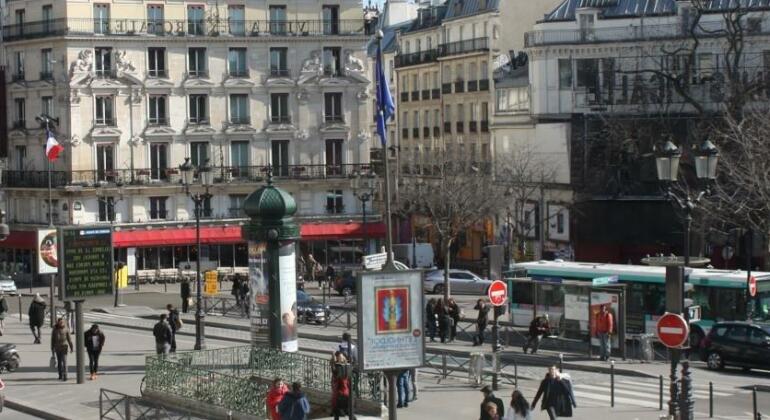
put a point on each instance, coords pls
(310, 310)
(737, 343)
(460, 281)
(7, 285)
(345, 282)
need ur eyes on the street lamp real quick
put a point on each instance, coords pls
(364, 188)
(205, 180)
(667, 164)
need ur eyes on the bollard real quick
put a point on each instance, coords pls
(660, 401)
(515, 374)
(20, 311)
(711, 399)
(165, 286)
(754, 402)
(495, 369)
(612, 383)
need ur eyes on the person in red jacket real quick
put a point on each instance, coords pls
(274, 397)
(604, 327)
(340, 385)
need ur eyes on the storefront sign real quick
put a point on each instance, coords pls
(87, 268)
(47, 251)
(390, 314)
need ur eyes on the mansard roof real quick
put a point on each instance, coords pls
(636, 8)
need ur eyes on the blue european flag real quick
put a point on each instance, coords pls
(385, 107)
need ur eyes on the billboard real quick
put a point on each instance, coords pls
(47, 251)
(87, 262)
(390, 314)
(287, 268)
(259, 309)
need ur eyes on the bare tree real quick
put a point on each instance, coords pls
(453, 195)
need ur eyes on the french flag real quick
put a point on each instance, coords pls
(52, 147)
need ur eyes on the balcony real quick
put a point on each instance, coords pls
(415, 95)
(485, 126)
(334, 119)
(240, 74)
(157, 121)
(157, 73)
(240, 120)
(473, 126)
(236, 212)
(448, 128)
(158, 214)
(415, 133)
(413, 59)
(404, 96)
(436, 132)
(446, 88)
(172, 178)
(435, 94)
(46, 75)
(404, 133)
(460, 86)
(19, 125)
(280, 119)
(213, 27)
(473, 85)
(425, 94)
(105, 73)
(199, 74)
(106, 121)
(460, 127)
(274, 72)
(17, 77)
(464, 47)
(484, 85)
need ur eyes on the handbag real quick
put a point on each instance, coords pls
(52, 362)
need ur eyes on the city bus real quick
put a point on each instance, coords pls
(720, 294)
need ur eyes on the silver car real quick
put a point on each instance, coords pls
(7, 285)
(461, 282)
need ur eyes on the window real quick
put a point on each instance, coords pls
(155, 19)
(484, 117)
(236, 205)
(416, 125)
(560, 222)
(513, 99)
(447, 119)
(199, 153)
(565, 73)
(199, 109)
(237, 62)
(195, 20)
(236, 18)
(474, 108)
(103, 61)
(46, 107)
(278, 64)
(156, 61)
(158, 110)
(280, 157)
(279, 108)
(459, 78)
(405, 125)
(334, 202)
(196, 62)
(436, 119)
(334, 157)
(278, 20)
(106, 209)
(239, 158)
(46, 64)
(331, 17)
(20, 111)
(738, 333)
(472, 75)
(20, 157)
(158, 208)
(105, 162)
(47, 18)
(19, 61)
(101, 18)
(239, 109)
(333, 107)
(205, 208)
(332, 61)
(587, 73)
(757, 336)
(158, 161)
(460, 118)
(104, 110)
(706, 65)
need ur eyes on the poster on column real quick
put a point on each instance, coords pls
(599, 299)
(287, 269)
(259, 308)
(47, 251)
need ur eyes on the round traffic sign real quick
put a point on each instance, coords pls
(752, 286)
(497, 293)
(672, 330)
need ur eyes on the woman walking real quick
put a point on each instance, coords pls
(519, 408)
(94, 339)
(36, 316)
(274, 397)
(61, 344)
(340, 385)
(558, 398)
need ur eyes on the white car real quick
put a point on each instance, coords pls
(461, 282)
(7, 285)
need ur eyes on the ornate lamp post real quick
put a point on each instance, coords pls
(667, 164)
(205, 180)
(364, 188)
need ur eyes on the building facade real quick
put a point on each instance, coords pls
(137, 87)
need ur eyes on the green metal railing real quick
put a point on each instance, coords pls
(224, 377)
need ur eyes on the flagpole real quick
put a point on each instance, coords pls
(388, 219)
(51, 288)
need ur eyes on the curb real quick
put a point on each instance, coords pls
(26, 409)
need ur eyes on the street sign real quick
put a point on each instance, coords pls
(752, 286)
(498, 293)
(375, 261)
(87, 262)
(211, 285)
(672, 330)
(603, 281)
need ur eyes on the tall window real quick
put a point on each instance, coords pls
(236, 205)
(333, 107)
(156, 61)
(416, 125)
(331, 17)
(46, 107)
(460, 118)
(196, 62)
(278, 64)
(46, 64)
(103, 61)
(565, 74)
(158, 161)
(239, 109)
(239, 158)
(199, 153)
(101, 18)
(278, 20)
(104, 110)
(47, 18)
(459, 78)
(279, 108)
(20, 112)
(334, 157)
(105, 162)
(236, 18)
(19, 157)
(334, 202)
(158, 110)
(332, 61)
(205, 208)
(280, 157)
(195, 20)
(155, 19)
(447, 119)
(199, 109)
(236, 60)
(158, 208)
(106, 209)
(19, 62)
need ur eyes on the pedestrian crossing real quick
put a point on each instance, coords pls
(637, 392)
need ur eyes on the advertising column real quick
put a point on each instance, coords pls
(259, 309)
(287, 275)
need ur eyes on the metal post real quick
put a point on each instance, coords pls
(749, 252)
(392, 378)
(79, 342)
(673, 402)
(495, 369)
(711, 399)
(51, 289)
(351, 396)
(754, 403)
(660, 403)
(612, 383)
(366, 234)
(200, 334)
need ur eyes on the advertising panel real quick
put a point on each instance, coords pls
(390, 327)
(287, 269)
(598, 299)
(87, 268)
(47, 251)
(259, 310)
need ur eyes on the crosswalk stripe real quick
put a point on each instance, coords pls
(617, 391)
(618, 400)
(699, 390)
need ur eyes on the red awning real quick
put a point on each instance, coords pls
(20, 239)
(321, 231)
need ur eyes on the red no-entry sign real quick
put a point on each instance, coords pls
(498, 293)
(752, 286)
(672, 330)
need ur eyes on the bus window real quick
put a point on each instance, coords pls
(521, 293)
(720, 304)
(762, 306)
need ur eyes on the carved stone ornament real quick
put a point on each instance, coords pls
(302, 96)
(363, 136)
(84, 63)
(122, 63)
(74, 96)
(75, 140)
(353, 64)
(135, 141)
(362, 95)
(313, 64)
(301, 135)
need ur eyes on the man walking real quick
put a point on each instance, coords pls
(3, 311)
(36, 316)
(175, 323)
(604, 327)
(162, 332)
(184, 290)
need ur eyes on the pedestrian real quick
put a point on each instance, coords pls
(69, 310)
(340, 385)
(294, 405)
(94, 340)
(443, 320)
(236, 290)
(3, 311)
(413, 382)
(402, 386)
(558, 398)
(312, 268)
(61, 343)
(244, 297)
(519, 408)
(481, 321)
(538, 328)
(454, 313)
(489, 397)
(430, 319)
(330, 274)
(36, 316)
(351, 355)
(491, 410)
(274, 397)
(184, 290)
(604, 328)
(175, 323)
(163, 334)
